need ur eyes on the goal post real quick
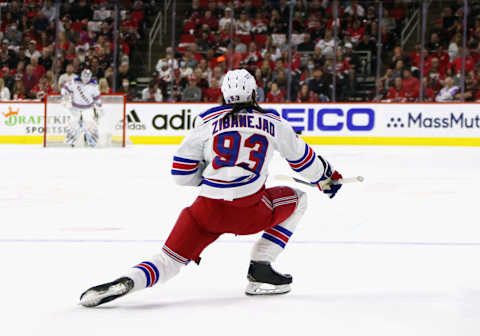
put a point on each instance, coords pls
(111, 125)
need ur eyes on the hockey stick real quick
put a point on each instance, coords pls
(341, 181)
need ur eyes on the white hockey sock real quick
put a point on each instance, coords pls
(159, 269)
(269, 246)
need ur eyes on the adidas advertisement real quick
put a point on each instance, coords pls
(134, 123)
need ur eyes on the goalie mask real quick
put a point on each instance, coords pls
(86, 76)
(238, 87)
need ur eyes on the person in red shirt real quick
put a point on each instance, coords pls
(42, 88)
(38, 69)
(209, 20)
(275, 95)
(213, 94)
(356, 32)
(411, 85)
(416, 55)
(456, 65)
(397, 92)
(252, 56)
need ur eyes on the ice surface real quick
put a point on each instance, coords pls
(396, 255)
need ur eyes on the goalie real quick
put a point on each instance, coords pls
(81, 97)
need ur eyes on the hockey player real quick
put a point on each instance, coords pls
(81, 97)
(227, 155)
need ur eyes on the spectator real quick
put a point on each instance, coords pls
(326, 44)
(41, 89)
(411, 85)
(38, 69)
(397, 92)
(82, 11)
(152, 93)
(170, 58)
(40, 23)
(68, 76)
(4, 91)
(351, 59)
(275, 95)
(448, 92)
(382, 92)
(103, 86)
(165, 73)
(320, 84)
(18, 90)
(253, 57)
(226, 19)
(131, 93)
(306, 96)
(29, 81)
(13, 35)
(307, 44)
(192, 93)
(124, 72)
(185, 73)
(259, 24)
(367, 44)
(398, 70)
(356, 32)
(8, 78)
(49, 10)
(218, 75)
(355, 10)
(46, 59)
(243, 25)
(32, 51)
(213, 94)
(456, 64)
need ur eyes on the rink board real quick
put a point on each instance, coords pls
(453, 124)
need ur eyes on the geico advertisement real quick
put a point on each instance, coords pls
(150, 119)
(407, 120)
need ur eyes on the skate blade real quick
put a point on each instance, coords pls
(258, 288)
(94, 297)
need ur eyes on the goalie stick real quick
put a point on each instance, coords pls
(341, 181)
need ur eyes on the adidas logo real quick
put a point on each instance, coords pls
(133, 122)
(132, 116)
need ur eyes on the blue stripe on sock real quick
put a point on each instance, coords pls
(147, 274)
(273, 240)
(283, 230)
(155, 269)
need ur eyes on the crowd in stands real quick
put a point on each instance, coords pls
(193, 72)
(30, 61)
(251, 34)
(442, 68)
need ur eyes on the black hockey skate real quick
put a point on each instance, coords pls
(264, 280)
(106, 292)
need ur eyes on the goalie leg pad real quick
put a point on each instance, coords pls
(74, 127)
(90, 128)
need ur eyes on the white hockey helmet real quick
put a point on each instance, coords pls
(86, 76)
(238, 86)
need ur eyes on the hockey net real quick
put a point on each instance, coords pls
(111, 126)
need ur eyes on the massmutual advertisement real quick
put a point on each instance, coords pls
(344, 124)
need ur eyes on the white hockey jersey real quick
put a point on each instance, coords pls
(84, 96)
(228, 154)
